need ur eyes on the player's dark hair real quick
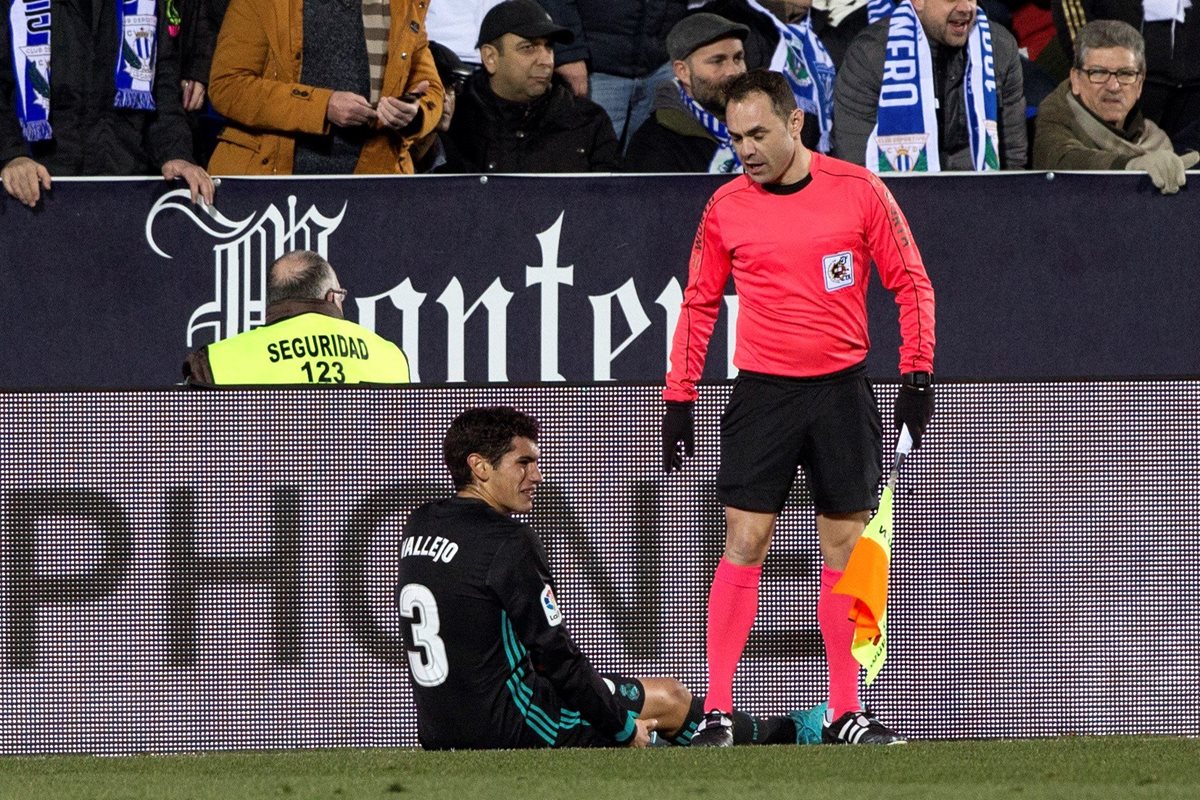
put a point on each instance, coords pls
(486, 431)
(772, 84)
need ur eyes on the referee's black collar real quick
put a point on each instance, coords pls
(788, 188)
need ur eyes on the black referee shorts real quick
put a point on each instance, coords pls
(829, 426)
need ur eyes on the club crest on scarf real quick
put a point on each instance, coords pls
(29, 23)
(134, 75)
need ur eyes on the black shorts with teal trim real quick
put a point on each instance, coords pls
(829, 426)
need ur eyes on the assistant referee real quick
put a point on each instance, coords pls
(798, 232)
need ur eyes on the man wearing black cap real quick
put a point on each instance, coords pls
(686, 132)
(513, 116)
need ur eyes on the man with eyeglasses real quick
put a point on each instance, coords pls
(306, 339)
(430, 153)
(1092, 121)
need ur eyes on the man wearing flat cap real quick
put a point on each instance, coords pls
(513, 114)
(686, 132)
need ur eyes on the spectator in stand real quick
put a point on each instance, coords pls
(935, 119)
(193, 26)
(429, 153)
(1092, 120)
(108, 107)
(622, 44)
(788, 36)
(513, 116)
(455, 23)
(352, 98)
(686, 132)
(1171, 30)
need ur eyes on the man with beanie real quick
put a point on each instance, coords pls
(686, 132)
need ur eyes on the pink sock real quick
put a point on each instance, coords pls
(833, 616)
(732, 607)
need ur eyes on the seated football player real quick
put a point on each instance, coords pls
(492, 662)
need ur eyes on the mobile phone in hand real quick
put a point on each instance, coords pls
(411, 97)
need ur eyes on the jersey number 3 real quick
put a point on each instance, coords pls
(428, 660)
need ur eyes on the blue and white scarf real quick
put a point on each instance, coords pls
(137, 51)
(725, 160)
(878, 9)
(806, 64)
(905, 138)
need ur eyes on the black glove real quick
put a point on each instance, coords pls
(914, 404)
(678, 426)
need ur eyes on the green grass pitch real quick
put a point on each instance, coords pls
(1105, 768)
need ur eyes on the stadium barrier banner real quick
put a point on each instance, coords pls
(187, 570)
(577, 279)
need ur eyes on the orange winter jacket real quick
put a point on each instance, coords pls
(254, 83)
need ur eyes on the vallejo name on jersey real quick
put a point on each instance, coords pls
(436, 547)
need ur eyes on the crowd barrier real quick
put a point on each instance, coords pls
(544, 279)
(194, 570)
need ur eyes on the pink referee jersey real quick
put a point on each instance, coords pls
(800, 262)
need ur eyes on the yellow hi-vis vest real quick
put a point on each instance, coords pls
(308, 348)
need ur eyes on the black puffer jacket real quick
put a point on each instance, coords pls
(90, 136)
(616, 37)
(558, 132)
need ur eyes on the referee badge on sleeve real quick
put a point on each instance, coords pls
(550, 607)
(839, 270)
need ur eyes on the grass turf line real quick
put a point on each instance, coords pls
(1078, 768)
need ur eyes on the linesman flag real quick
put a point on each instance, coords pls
(866, 576)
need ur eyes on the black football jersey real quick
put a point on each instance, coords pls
(491, 661)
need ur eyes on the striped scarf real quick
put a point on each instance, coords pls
(137, 51)
(905, 137)
(725, 160)
(377, 19)
(806, 64)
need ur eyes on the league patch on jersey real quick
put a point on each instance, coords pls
(839, 270)
(550, 606)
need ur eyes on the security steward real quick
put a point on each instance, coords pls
(305, 339)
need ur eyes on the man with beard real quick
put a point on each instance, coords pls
(513, 116)
(686, 132)
(933, 87)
